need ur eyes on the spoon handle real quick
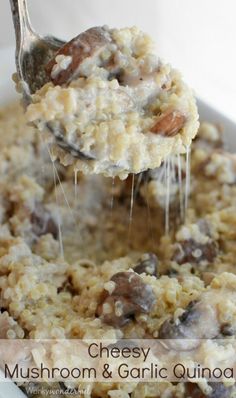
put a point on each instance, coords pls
(24, 38)
(21, 22)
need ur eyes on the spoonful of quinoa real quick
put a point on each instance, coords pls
(105, 101)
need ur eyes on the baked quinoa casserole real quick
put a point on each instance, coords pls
(69, 253)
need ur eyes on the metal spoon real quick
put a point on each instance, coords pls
(33, 52)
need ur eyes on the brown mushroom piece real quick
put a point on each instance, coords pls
(227, 330)
(190, 251)
(147, 264)
(184, 328)
(130, 297)
(208, 277)
(219, 390)
(199, 321)
(43, 222)
(169, 123)
(85, 45)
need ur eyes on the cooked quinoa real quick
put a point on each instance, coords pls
(191, 271)
(112, 98)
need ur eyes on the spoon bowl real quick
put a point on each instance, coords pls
(33, 53)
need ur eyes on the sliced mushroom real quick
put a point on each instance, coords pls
(88, 44)
(43, 222)
(218, 391)
(199, 321)
(169, 123)
(208, 277)
(190, 251)
(130, 297)
(147, 264)
(184, 327)
(227, 330)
